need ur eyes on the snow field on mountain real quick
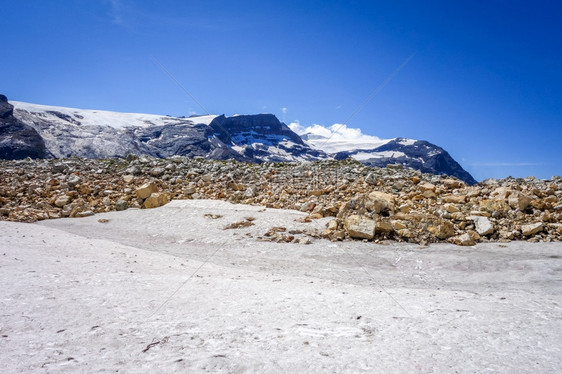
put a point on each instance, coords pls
(88, 117)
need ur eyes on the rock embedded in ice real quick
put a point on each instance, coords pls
(121, 205)
(463, 240)
(156, 200)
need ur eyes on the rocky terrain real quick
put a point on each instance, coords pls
(370, 204)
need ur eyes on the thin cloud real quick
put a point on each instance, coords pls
(135, 16)
(496, 164)
(116, 11)
(284, 110)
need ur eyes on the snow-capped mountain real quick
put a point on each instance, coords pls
(343, 142)
(263, 137)
(101, 134)
(64, 132)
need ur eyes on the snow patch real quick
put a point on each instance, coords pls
(78, 286)
(406, 141)
(360, 156)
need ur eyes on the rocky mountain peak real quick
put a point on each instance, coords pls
(245, 129)
(6, 109)
(18, 140)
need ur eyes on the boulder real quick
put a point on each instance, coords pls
(62, 201)
(463, 240)
(518, 200)
(398, 225)
(455, 199)
(381, 202)
(532, 229)
(426, 187)
(157, 172)
(451, 208)
(482, 225)
(383, 227)
(360, 227)
(145, 190)
(128, 178)
(494, 205)
(442, 230)
(121, 205)
(501, 193)
(156, 200)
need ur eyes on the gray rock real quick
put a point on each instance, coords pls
(482, 225)
(532, 229)
(121, 205)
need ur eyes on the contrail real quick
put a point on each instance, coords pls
(178, 83)
(375, 92)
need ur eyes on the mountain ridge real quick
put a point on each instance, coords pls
(68, 132)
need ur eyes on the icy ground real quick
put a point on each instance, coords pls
(80, 295)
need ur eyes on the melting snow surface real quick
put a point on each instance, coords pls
(169, 290)
(384, 154)
(104, 118)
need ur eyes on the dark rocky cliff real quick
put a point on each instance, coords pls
(18, 140)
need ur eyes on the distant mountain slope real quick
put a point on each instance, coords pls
(101, 134)
(263, 137)
(416, 154)
(343, 142)
(50, 131)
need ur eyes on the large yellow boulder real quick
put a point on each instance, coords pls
(145, 190)
(156, 199)
(360, 227)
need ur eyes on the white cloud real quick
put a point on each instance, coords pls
(296, 127)
(284, 110)
(337, 137)
(336, 131)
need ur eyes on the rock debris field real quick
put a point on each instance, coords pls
(372, 204)
(324, 267)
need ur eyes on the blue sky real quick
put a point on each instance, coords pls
(484, 82)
